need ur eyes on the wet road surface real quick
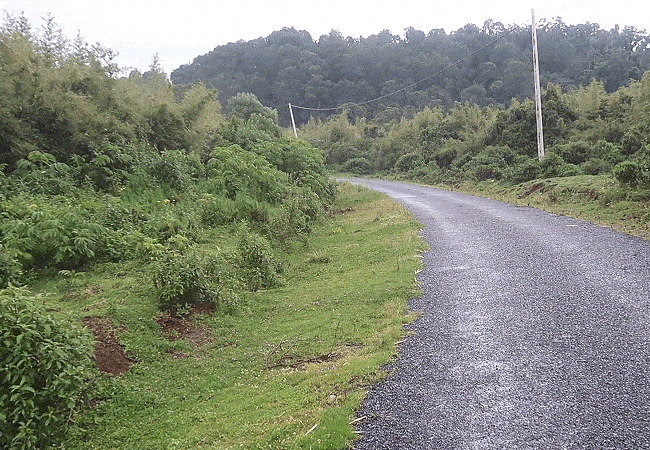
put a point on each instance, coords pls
(534, 333)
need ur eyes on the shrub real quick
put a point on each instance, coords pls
(444, 156)
(217, 210)
(490, 163)
(408, 162)
(628, 172)
(46, 235)
(574, 152)
(595, 166)
(251, 210)
(10, 268)
(237, 171)
(526, 170)
(181, 280)
(609, 152)
(43, 367)
(360, 166)
(295, 217)
(552, 165)
(258, 267)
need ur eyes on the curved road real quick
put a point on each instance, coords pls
(534, 333)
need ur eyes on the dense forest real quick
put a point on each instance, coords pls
(488, 65)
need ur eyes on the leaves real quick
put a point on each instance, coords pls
(45, 365)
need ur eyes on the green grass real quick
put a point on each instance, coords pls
(260, 383)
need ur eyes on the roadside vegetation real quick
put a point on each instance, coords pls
(178, 275)
(596, 163)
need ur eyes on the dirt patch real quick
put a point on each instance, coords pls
(537, 187)
(175, 328)
(340, 212)
(109, 355)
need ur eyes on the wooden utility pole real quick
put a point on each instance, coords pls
(538, 94)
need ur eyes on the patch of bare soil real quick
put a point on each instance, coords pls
(537, 187)
(109, 355)
(175, 328)
(340, 212)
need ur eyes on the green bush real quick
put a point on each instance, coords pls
(50, 235)
(182, 280)
(360, 166)
(490, 163)
(552, 165)
(44, 365)
(408, 162)
(444, 156)
(217, 210)
(628, 172)
(595, 166)
(526, 170)
(295, 217)
(238, 171)
(10, 268)
(574, 152)
(258, 266)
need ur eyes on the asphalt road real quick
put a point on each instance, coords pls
(534, 333)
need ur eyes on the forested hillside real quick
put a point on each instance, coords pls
(290, 66)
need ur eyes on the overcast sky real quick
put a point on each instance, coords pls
(179, 31)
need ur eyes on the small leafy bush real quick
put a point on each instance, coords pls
(526, 170)
(595, 166)
(574, 152)
(217, 210)
(444, 156)
(10, 268)
(237, 171)
(181, 280)
(552, 165)
(295, 217)
(408, 162)
(258, 266)
(50, 235)
(490, 163)
(360, 166)
(631, 173)
(44, 365)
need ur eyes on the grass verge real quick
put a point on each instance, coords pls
(286, 370)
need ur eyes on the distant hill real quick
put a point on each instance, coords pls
(289, 66)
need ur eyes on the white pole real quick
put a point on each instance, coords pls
(538, 95)
(293, 121)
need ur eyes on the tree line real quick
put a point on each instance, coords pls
(586, 131)
(488, 65)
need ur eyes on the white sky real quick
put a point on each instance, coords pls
(180, 30)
